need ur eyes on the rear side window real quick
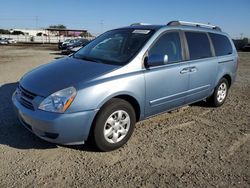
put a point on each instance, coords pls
(198, 45)
(222, 45)
(168, 44)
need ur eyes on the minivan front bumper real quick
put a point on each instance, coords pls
(65, 129)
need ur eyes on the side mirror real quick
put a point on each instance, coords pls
(155, 60)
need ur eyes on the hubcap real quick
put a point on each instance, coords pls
(222, 92)
(117, 126)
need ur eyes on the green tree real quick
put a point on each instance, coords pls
(41, 34)
(86, 34)
(245, 40)
(17, 33)
(4, 31)
(59, 26)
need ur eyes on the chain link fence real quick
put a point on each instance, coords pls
(39, 39)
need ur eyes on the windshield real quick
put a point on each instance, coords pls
(115, 47)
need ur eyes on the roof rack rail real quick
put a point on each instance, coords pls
(178, 23)
(137, 24)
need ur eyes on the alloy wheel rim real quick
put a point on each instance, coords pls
(222, 92)
(116, 127)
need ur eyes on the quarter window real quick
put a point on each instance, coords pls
(168, 44)
(198, 45)
(222, 45)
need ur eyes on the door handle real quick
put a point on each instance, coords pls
(185, 70)
(193, 69)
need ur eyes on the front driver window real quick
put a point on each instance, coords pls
(168, 44)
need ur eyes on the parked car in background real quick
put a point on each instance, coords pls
(67, 43)
(7, 41)
(124, 76)
(73, 47)
(4, 41)
(11, 40)
(63, 44)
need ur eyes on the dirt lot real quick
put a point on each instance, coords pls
(196, 146)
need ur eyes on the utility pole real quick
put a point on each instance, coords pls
(241, 36)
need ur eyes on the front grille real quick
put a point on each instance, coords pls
(26, 97)
(27, 94)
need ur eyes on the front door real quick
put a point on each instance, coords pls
(166, 84)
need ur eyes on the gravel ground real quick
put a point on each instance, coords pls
(196, 146)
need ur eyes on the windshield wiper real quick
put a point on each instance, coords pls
(86, 58)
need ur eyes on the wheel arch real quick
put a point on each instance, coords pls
(229, 79)
(127, 97)
(227, 76)
(135, 104)
(131, 99)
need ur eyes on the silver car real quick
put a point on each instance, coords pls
(124, 76)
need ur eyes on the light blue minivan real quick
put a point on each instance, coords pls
(123, 76)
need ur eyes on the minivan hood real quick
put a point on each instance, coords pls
(61, 74)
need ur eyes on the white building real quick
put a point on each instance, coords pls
(31, 32)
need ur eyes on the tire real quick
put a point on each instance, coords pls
(113, 125)
(220, 93)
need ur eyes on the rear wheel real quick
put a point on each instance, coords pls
(113, 125)
(220, 93)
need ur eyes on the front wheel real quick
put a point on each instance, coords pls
(220, 93)
(113, 125)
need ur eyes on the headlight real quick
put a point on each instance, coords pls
(58, 101)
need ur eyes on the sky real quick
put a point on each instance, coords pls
(97, 16)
